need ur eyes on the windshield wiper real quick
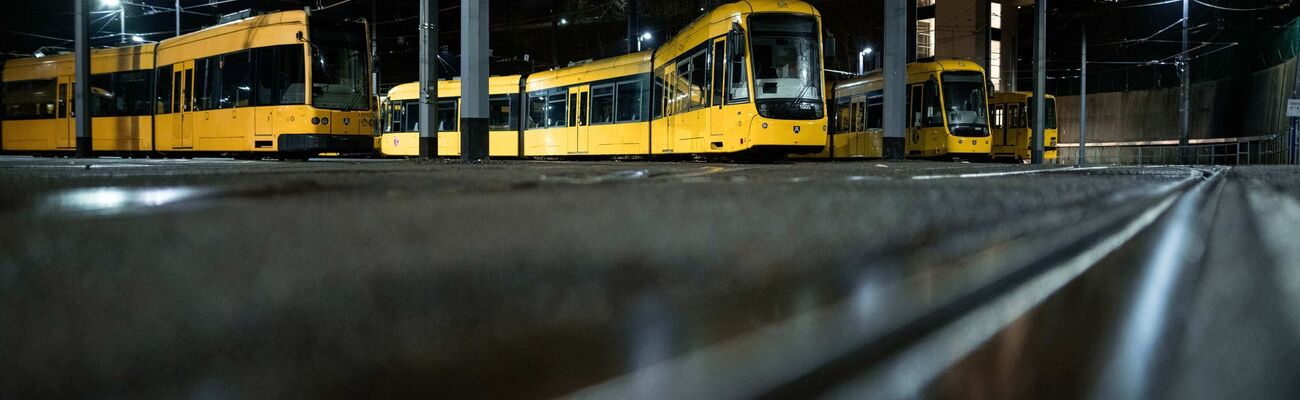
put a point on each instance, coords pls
(355, 96)
(799, 97)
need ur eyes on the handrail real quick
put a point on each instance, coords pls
(1193, 142)
(1272, 149)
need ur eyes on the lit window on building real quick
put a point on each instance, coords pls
(995, 63)
(925, 38)
(995, 17)
(924, 3)
(995, 46)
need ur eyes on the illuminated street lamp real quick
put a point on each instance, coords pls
(121, 15)
(861, 56)
(645, 37)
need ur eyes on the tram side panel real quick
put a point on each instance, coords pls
(703, 95)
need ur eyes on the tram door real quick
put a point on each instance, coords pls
(65, 130)
(183, 101)
(670, 96)
(580, 138)
(1015, 127)
(916, 140)
(858, 139)
(720, 122)
(1000, 125)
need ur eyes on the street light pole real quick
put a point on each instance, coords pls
(862, 69)
(474, 80)
(178, 17)
(1083, 98)
(1184, 95)
(121, 22)
(81, 87)
(1040, 81)
(896, 49)
(428, 79)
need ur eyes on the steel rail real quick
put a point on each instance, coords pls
(887, 339)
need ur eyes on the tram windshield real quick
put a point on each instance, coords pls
(787, 66)
(338, 65)
(963, 100)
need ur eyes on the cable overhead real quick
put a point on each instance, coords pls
(1218, 7)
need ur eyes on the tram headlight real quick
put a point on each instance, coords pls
(315, 120)
(325, 121)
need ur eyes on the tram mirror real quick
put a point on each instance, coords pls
(300, 36)
(829, 46)
(989, 92)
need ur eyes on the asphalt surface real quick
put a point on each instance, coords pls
(395, 279)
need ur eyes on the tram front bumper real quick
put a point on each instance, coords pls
(316, 144)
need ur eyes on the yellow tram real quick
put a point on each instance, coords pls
(1013, 126)
(743, 80)
(286, 84)
(946, 109)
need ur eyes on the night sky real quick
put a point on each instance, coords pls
(596, 28)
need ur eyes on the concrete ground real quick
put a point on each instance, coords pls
(529, 279)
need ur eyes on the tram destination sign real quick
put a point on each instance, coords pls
(1293, 108)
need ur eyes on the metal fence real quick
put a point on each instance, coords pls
(1257, 150)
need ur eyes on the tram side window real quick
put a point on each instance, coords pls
(132, 92)
(843, 115)
(44, 95)
(30, 99)
(630, 102)
(659, 94)
(860, 116)
(999, 116)
(236, 81)
(101, 95)
(875, 112)
(699, 79)
(715, 64)
(1049, 118)
(392, 119)
(203, 86)
(499, 113)
(738, 79)
(411, 116)
(120, 94)
(914, 99)
(681, 90)
(163, 90)
(573, 115)
(447, 115)
(555, 110)
(602, 104)
(1017, 115)
(279, 76)
(536, 111)
(933, 110)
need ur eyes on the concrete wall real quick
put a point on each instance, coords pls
(961, 31)
(958, 32)
(1253, 105)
